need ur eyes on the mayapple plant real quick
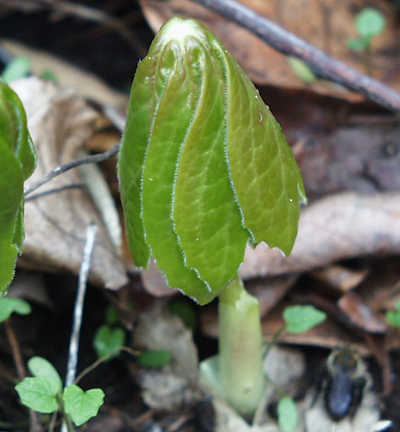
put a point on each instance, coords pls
(204, 169)
(17, 162)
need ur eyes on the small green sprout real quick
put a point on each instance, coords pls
(154, 358)
(369, 23)
(108, 341)
(44, 393)
(299, 319)
(18, 68)
(393, 316)
(109, 338)
(301, 70)
(9, 305)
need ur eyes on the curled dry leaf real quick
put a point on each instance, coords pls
(327, 24)
(158, 329)
(334, 228)
(60, 123)
(360, 314)
(339, 277)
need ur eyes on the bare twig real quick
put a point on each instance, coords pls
(78, 310)
(34, 423)
(83, 277)
(69, 165)
(287, 43)
(15, 349)
(55, 190)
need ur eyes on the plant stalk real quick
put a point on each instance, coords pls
(240, 349)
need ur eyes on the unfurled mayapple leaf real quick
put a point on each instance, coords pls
(17, 162)
(204, 167)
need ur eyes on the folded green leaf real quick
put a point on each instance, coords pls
(204, 166)
(17, 162)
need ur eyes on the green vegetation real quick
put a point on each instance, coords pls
(369, 23)
(204, 168)
(17, 162)
(44, 393)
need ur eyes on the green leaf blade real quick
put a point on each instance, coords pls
(170, 126)
(134, 142)
(264, 172)
(81, 405)
(37, 393)
(17, 161)
(300, 319)
(207, 219)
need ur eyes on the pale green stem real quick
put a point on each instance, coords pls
(240, 349)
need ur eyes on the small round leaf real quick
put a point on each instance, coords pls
(300, 319)
(37, 393)
(8, 305)
(370, 22)
(42, 368)
(108, 340)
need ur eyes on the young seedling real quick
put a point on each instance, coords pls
(17, 162)
(44, 393)
(369, 23)
(204, 168)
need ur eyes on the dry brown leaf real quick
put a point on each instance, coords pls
(154, 281)
(60, 123)
(334, 228)
(327, 24)
(359, 314)
(339, 277)
(270, 291)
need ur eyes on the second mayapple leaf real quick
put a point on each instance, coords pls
(204, 167)
(17, 162)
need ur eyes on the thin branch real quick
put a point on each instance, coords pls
(78, 311)
(34, 422)
(321, 64)
(55, 190)
(69, 165)
(80, 297)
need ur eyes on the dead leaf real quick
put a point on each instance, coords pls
(327, 24)
(270, 291)
(334, 228)
(340, 277)
(154, 281)
(359, 314)
(158, 329)
(60, 123)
